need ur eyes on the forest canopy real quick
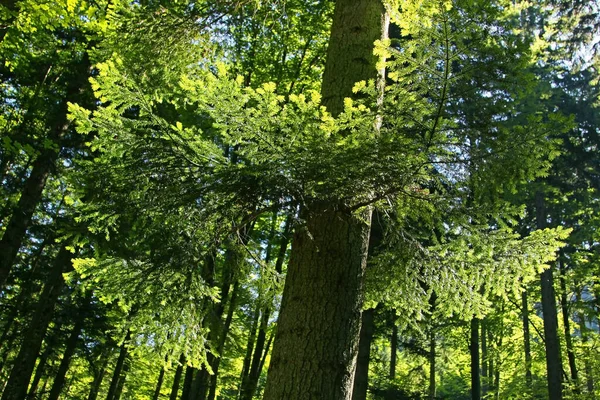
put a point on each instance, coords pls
(358, 199)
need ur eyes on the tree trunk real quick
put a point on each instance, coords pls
(99, 376)
(188, 381)
(31, 195)
(553, 361)
(484, 360)
(18, 382)
(159, 382)
(474, 350)
(361, 376)
(122, 378)
(526, 342)
(393, 350)
(177, 379)
(564, 303)
(59, 379)
(316, 342)
(114, 382)
(39, 373)
(244, 380)
(222, 339)
(589, 377)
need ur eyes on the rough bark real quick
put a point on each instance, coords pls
(18, 382)
(474, 350)
(361, 376)
(316, 342)
(553, 360)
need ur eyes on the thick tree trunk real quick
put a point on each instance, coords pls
(553, 360)
(16, 388)
(526, 341)
(316, 343)
(61, 374)
(119, 366)
(361, 376)
(474, 350)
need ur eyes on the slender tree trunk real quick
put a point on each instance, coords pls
(244, 379)
(497, 370)
(553, 361)
(255, 368)
(222, 339)
(393, 351)
(526, 342)
(122, 378)
(99, 376)
(361, 376)
(59, 379)
(589, 376)
(114, 383)
(177, 379)
(474, 350)
(20, 376)
(564, 303)
(484, 360)
(159, 382)
(39, 373)
(316, 343)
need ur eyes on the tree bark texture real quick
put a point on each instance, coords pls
(316, 343)
(18, 382)
(361, 376)
(553, 360)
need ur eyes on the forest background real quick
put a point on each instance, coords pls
(299, 200)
